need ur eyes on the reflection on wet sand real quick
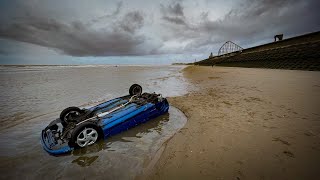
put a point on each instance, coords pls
(84, 161)
(155, 125)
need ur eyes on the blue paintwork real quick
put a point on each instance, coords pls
(114, 123)
(149, 113)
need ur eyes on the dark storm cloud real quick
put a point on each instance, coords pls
(76, 38)
(131, 22)
(144, 28)
(252, 21)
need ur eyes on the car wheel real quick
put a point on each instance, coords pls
(85, 134)
(135, 89)
(69, 113)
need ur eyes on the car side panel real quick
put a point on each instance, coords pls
(124, 115)
(139, 116)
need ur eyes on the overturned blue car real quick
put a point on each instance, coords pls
(77, 128)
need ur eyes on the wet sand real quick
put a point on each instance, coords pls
(245, 124)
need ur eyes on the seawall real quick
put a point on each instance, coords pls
(298, 53)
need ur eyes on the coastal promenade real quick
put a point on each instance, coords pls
(297, 53)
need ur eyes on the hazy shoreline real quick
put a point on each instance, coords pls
(245, 124)
(89, 65)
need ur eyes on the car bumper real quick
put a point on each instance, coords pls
(50, 145)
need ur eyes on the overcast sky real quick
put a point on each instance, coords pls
(141, 31)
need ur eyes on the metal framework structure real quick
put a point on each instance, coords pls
(229, 47)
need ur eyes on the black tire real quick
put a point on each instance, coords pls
(135, 89)
(80, 128)
(65, 114)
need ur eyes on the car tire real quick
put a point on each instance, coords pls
(66, 113)
(135, 89)
(85, 134)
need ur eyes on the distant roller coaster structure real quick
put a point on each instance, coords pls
(229, 47)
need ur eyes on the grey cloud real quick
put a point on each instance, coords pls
(79, 39)
(4, 52)
(175, 20)
(173, 13)
(172, 9)
(132, 21)
(250, 22)
(108, 16)
(265, 18)
(115, 29)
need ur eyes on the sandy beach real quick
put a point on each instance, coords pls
(242, 123)
(245, 124)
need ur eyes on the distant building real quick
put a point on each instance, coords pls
(211, 55)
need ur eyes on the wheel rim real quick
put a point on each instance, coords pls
(87, 137)
(136, 90)
(71, 113)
